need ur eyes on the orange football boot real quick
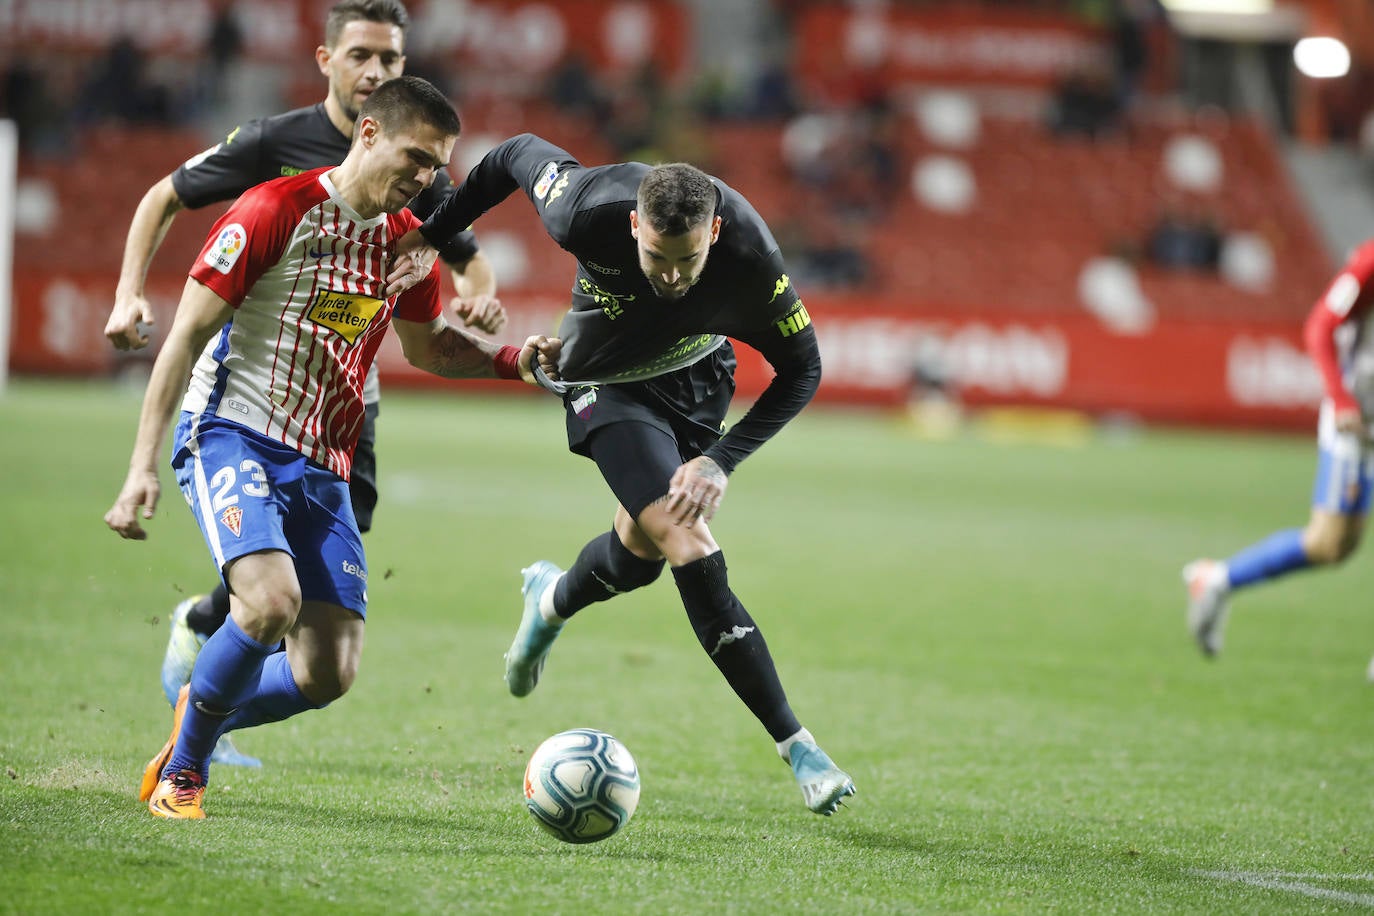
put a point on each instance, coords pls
(179, 796)
(152, 773)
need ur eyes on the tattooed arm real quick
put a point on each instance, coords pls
(439, 348)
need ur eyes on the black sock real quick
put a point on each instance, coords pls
(208, 614)
(732, 639)
(605, 568)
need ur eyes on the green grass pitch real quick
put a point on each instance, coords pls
(988, 636)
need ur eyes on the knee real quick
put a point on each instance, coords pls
(682, 545)
(1325, 548)
(326, 680)
(628, 571)
(269, 613)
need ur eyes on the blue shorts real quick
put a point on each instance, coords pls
(250, 494)
(1344, 476)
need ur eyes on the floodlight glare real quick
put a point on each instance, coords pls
(1322, 58)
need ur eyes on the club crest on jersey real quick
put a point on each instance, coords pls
(226, 248)
(546, 180)
(232, 518)
(582, 406)
(347, 314)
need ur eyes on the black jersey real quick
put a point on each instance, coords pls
(619, 330)
(288, 144)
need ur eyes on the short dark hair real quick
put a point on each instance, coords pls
(675, 198)
(405, 100)
(346, 11)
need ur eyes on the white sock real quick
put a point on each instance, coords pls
(785, 746)
(546, 606)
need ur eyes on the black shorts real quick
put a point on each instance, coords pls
(362, 484)
(638, 433)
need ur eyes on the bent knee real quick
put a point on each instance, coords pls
(270, 612)
(1331, 551)
(678, 543)
(325, 684)
(1329, 547)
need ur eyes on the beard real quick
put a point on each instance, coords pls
(671, 294)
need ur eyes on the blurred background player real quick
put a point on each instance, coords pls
(363, 47)
(279, 322)
(670, 264)
(1338, 338)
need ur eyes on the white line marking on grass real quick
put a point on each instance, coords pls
(1296, 882)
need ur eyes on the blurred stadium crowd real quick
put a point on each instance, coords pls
(1108, 164)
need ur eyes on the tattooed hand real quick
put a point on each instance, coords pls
(695, 491)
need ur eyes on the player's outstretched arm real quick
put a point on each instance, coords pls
(152, 219)
(199, 315)
(439, 348)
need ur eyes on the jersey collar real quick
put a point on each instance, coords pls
(343, 205)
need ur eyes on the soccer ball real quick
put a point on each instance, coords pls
(581, 785)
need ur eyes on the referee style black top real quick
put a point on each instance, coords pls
(619, 330)
(288, 144)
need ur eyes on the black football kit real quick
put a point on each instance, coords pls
(627, 353)
(646, 382)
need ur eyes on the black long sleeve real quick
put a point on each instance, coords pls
(501, 172)
(797, 364)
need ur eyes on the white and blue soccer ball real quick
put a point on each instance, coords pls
(581, 785)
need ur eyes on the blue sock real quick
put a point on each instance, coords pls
(1277, 555)
(226, 675)
(277, 697)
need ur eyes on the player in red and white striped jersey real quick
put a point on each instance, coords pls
(286, 308)
(1340, 339)
(363, 46)
(307, 275)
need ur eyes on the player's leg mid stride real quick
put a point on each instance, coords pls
(539, 627)
(1342, 491)
(184, 643)
(605, 569)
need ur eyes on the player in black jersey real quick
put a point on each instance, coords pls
(670, 264)
(363, 47)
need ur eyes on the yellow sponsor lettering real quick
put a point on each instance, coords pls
(796, 320)
(347, 314)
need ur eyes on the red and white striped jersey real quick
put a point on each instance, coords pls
(306, 276)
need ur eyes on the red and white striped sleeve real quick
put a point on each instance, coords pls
(251, 236)
(1349, 295)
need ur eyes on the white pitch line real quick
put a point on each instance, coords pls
(1295, 882)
